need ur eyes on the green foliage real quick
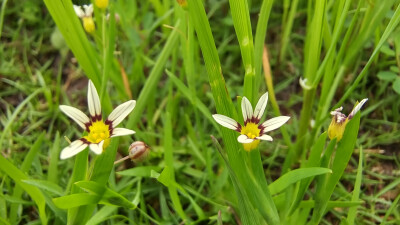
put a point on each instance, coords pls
(182, 64)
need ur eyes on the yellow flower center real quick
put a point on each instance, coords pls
(99, 131)
(88, 24)
(252, 131)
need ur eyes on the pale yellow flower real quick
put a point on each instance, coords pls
(339, 121)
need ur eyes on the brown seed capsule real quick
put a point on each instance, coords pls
(138, 151)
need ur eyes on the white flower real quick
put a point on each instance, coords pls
(86, 12)
(86, 16)
(99, 131)
(252, 132)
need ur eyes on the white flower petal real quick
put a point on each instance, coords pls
(247, 109)
(93, 100)
(303, 84)
(260, 107)
(88, 10)
(79, 12)
(337, 111)
(357, 108)
(274, 123)
(226, 121)
(244, 139)
(119, 113)
(73, 149)
(116, 132)
(265, 137)
(77, 115)
(97, 148)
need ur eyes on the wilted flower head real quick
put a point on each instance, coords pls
(99, 131)
(340, 120)
(86, 16)
(252, 132)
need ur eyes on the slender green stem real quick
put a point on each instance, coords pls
(3, 9)
(287, 24)
(104, 51)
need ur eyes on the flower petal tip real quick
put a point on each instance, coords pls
(226, 121)
(244, 139)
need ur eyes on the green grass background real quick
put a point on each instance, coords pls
(183, 64)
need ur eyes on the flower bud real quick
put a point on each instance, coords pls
(138, 151)
(339, 120)
(102, 4)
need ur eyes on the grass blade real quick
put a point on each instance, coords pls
(18, 176)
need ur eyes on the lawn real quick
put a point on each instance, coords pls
(200, 112)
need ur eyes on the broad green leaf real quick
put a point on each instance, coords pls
(18, 176)
(102, 214)
(385, 49)
(12, 199)
(26, 165)
(102, 168)
(142, 171)
(293, 176)
(98, 194)
(396, 85)
(387, 75)
(106, 195)
(75, 200)
(46, 185)
(314, 160)
(4, 221)
(342, 157)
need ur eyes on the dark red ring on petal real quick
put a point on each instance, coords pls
(87, 125)
(96, 118)
(239, 127)
(85, 141)
(261, 127)
(109, 123)
(251, 120)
